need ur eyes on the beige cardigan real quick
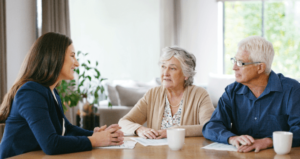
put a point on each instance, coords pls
(197, 110)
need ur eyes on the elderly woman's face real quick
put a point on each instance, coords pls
(171, 74)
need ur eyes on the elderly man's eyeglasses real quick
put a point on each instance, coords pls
(240, 63)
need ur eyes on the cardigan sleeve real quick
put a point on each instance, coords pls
(136, 117)
(204, 114)
(33, 107)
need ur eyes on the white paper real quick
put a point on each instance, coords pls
(126, 145)
(151, 142)
(220, 146)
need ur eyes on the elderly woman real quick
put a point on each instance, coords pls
(175, 104)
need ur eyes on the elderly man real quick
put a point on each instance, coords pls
(257, 104)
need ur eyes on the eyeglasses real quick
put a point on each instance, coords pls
(240, 63)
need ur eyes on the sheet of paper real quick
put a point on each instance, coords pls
(151, 142)
(220, 146)
(126, 145)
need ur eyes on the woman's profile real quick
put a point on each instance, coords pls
(32, 108)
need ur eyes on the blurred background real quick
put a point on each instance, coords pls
(126, 36)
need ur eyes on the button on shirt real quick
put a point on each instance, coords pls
(239, 112)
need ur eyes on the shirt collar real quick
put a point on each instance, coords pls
(273, 85)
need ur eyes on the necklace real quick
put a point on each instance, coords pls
(174, 106)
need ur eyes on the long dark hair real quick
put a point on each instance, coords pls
(42, 65)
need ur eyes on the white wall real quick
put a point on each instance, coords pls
(197, 27)
(122, 35)
(20, 33)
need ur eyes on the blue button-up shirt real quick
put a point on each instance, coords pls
(239, 112)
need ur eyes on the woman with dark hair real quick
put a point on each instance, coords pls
(32, 107)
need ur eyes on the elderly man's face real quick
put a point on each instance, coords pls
(244, 74)
(171, 74)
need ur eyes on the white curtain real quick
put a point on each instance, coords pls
(167, 23)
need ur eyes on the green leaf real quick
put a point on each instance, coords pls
(102, 79)
(89, 61)
(77, 71)
(96, 63)
(89, 77)
(98, 73)
(81, 83)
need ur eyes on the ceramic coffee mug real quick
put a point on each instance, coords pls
(175, 138)
(282, 142)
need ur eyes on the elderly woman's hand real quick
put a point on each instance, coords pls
(162, 134)
(147, 133)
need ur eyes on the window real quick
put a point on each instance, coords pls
(277, 21)
(122, 35)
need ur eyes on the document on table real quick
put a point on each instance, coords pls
(126, 145)
(220, 146)
(151, 142)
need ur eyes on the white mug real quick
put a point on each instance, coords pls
(175, 138)
(282, 142)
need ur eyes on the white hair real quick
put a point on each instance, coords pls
(260, 50)
(187, 62)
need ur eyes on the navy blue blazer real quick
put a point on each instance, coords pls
(35, 123)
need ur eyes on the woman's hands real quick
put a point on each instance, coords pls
(162, 134)
(149, 133)
(107, 136)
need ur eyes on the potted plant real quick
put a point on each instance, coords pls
(86, 92)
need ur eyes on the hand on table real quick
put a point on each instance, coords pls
(149, 133)
(162, 134)
(259, 144)
(107, 136)
(237, 141)
(99, 129)
(246, 143)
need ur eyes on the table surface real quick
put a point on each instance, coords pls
(191, 149)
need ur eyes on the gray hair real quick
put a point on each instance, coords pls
(260, 50)
(187, 62)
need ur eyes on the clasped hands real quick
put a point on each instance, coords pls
(107, 136)
(246, 143)
(149, 133)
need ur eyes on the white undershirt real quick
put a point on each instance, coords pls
(63, 127)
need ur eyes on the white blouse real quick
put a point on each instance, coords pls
(169, 121)
(63, 126)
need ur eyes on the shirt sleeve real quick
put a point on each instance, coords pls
(218, 127)
(33, 107)
(294, 116)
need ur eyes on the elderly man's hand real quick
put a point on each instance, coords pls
(259, 144)
(147, 133)
(237, 141)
